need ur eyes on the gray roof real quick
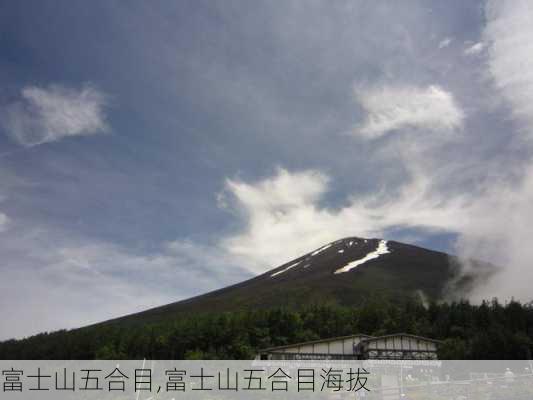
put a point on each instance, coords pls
(287, 346)
(372, 338)
(367, 338)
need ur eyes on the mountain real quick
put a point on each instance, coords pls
(346, 272)
(350, 285)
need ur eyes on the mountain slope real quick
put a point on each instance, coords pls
(346, 272)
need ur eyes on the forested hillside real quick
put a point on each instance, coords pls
(487, 331)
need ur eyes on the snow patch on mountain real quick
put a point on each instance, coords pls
(381, 249)
(320, 250)
(285, 269)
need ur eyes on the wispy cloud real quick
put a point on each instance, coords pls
(48, 114)
(284, 216)
(500, 226)
(4, 220)
(101, 280)
(474, 49)
(509, 31)
(390, 108)
(445, 42)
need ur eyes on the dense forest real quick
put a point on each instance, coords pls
(490, 330)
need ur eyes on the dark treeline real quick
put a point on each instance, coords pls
(487, 331)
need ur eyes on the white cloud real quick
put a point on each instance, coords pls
(49, 114)
(284, 218)
(445, 43)
(100, 280)
(281, 218)
(500, 226)
(282, 192)
(499, 230)
(4, 221)
(474, 49)
(509, 31)
(391, 108)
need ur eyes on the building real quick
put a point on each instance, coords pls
(338, 348)
(401, 346)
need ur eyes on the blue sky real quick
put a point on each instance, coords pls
(150, 151)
